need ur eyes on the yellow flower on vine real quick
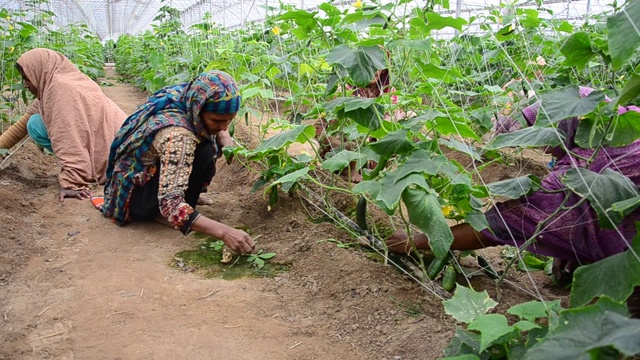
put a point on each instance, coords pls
(10, 27)
(11, 49)
(358, 4)
(276, 30)
(447, 210)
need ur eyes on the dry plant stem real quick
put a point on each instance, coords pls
(295, 345)
(118, 313)
(43, 311)
(209, 294)
(6, 318)
(48, 336)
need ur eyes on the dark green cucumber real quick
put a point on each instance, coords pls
(449, 278)
(484, 264)
(273, 198)
(437, 265)
(361, 214)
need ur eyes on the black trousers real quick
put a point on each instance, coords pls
(144, 204)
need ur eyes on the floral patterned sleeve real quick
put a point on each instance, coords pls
(176, 148)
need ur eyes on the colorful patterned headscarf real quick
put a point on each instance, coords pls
(179, 105)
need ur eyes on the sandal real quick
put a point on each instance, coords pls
(97, 202)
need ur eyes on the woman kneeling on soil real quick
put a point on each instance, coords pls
(71, 117)
(165, 154)
(573, 236)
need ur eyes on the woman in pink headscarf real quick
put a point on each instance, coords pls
(71, 117)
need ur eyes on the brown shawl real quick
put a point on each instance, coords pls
(80, 119)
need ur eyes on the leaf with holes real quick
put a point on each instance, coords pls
(466, 304)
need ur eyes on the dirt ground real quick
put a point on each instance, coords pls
(75, 286)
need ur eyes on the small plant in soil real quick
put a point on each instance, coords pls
(208, 258)
(258, 259)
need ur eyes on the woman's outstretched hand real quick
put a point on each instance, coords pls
(236, 240)
(398, 242)
(75, 194)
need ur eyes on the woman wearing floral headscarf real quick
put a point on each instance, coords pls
(165, 153)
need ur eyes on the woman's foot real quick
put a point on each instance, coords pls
(563, 271)
(204, 200)
(353, 177)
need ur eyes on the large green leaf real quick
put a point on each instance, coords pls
(625, 207)
(626, 130)
(577, 330)
(460, 146)
(425, 213)
(363, 111)
(565, 103)
(513, 188)
(491, 327)
(630, 91)
(426, 162)
(361, 63)
(431, 71)
(578, 50)
(528, 137)
(288, 180)
(436, 21)
(614, 277)
(534, 309)
(396, 143)
(602, 190)
(394, 188)
(446, 125)
(624, 33)
(371, 187)
(341, 160)
(467, 305)
(463, 346)
(621, 333)
(301, 133)
(300, 17)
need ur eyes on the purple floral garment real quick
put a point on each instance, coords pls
(576, 234)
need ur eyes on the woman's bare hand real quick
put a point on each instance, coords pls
(238, 241)
(75, 194)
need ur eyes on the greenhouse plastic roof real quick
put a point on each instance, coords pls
(111, 18)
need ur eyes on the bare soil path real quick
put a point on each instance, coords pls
(75, 286)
